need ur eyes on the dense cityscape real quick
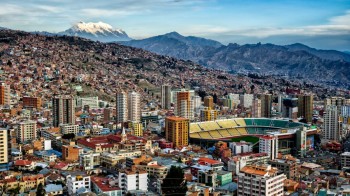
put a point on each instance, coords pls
(90, 111)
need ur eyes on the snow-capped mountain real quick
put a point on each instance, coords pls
(96, 31)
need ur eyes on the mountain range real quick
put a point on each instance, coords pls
(296, 60)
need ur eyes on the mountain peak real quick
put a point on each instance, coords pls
(98, 31)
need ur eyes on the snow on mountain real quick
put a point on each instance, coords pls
(96, 31)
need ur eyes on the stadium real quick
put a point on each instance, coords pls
(289, 133)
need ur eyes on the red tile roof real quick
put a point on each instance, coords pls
(23, 163)
(103, 184)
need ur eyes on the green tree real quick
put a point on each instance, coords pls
(174, 183)
(40, 191)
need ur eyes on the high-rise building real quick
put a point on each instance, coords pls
(166, 97)
(256, 108)
(183, 104)
(5, 94)
(345, 111)
(63, 109)
(122, 107)
(246, 100)
(337, 101)
(26, 131)
(137, 128)
(290, 108)
(235, 98)
(197, 103)
(177, 130)
(331, 124)
(306, 106)
(269, 144)
(280, 103)
(208, 114)
(256, 180)
(266, 104)
(209, 102)
(134, 107)
(3, 149)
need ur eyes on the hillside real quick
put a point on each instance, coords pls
(324, 66)
(44, 65)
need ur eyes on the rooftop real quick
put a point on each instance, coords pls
(103, 184)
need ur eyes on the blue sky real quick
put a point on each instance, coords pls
(318, 23)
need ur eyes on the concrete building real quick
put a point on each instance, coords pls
(266, 104)
(337, 101)
(105, 186)
(5, 94)
(246, 100)
(133, 179)
(31, 102)
(197, 103)
(208, 114)
(166, 97)
(331, 124)
(256, 180)
(63, 109)
(71, 153)
(305, 107)
(89, 160)
(177, 130)
(74, 182)
(345, 159)
(92, 102)
(236, 163)
(26, 131)
(134, 107)
(122, 107)
(3, 149)
(137, 128)
(234, 98)
(290, 108)
(286, 164)
(66, 129)
(209, 102)
(240, 147)
(256, 108)
(183, 104)
(269, 144)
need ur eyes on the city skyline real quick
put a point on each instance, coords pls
(323, 25)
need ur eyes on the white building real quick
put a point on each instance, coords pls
(269, 144)
(246, 100)
(49, 157)
(235, 98)
(345, 159)
(89, 160)
(77, 181)
(197, 103)
(92, 102)
(134, 107)
(256, 180)
(26, 131)
(133, 179)
(331, 124)
(240, 147)
(122, 107)
(66, 129)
